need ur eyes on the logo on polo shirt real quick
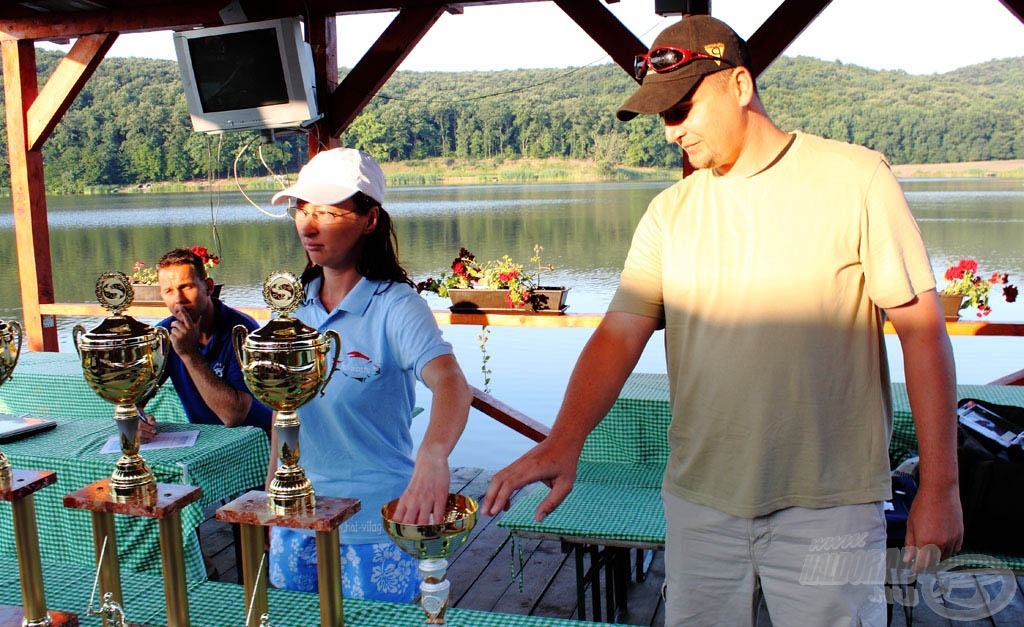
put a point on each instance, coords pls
(358, 366)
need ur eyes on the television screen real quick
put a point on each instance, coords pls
(238, 70)
(256, 75)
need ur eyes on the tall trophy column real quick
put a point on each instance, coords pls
(285, 364)
(18, 487)
(123, 361)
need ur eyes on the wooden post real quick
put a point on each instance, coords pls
(322, 34)
(28, 196)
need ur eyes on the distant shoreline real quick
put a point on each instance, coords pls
(456, 172)
(1010, 168)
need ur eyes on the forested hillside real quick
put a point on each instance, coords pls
(130, 124)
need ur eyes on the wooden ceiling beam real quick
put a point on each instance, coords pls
(781, 29)
(1016, 7)
(64, 85)
(605, 29)
(379, 63)
(141, 19)
(194, 13)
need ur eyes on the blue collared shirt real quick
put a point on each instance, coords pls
(355, 440)
(219, 353)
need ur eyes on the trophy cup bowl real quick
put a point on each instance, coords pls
(122, 361)
(11, 335)
(431, 544)
(285, 363)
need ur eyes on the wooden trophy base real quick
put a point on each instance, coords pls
(252, 508)
(25, 482)
(170, 498)
(12, 615)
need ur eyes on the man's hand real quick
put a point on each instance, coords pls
(935, 528)
(147, 427)
(184, 332)
(546, 462)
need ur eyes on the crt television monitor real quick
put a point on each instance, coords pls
(257, 75)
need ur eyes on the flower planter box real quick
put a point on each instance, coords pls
(545, 300)
(951, 306)
(148, 294)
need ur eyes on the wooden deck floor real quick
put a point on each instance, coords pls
(481, 575)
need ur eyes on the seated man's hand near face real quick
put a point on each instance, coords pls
(147, 427)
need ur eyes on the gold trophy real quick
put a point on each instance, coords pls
(122, 361)
(10, 349)
(285, 364)
(431, 544)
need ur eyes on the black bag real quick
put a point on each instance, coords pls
(904, 489)
(991, 479)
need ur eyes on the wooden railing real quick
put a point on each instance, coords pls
(506, 415)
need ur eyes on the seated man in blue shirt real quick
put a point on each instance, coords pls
(202, 365)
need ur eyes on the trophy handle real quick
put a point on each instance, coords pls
(332, 335)
(21, 333)
(164, 336)
(238, 335)
(77, 332)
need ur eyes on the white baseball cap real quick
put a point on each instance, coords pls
(332, 176)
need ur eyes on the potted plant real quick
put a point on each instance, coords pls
(497, 286)
(144, 278)
(966, 288)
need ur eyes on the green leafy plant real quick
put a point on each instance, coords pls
(963, 279)
(500, 274)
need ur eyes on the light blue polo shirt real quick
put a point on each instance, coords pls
(354, 440)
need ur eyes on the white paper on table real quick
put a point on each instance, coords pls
(169, 439)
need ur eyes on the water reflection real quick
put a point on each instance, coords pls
(585, 231)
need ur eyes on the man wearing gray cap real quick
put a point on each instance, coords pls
(776, 359)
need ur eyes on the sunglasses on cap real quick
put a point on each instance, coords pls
(668, 58)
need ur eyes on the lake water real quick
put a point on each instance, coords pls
(585, 230)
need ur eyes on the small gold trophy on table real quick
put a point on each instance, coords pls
(285, 363)
(123, 361)
(431, 544)
(18, 487)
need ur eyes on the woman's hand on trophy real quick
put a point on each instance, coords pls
(147, 427)
(424, 499)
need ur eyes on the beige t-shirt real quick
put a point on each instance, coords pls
(768, 288)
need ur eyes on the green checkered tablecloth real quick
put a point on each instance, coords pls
(51, 384)
(223, 462)
(216, 604)
(594, 513)
(635, 429)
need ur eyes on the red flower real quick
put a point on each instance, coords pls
(1010, 293)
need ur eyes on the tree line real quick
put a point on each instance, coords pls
(130, 124)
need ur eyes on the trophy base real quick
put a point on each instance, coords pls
(13, 615)
(132, 480)
(291, 492)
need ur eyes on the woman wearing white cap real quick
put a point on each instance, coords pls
(355, 439)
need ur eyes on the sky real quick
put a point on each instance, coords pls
(918, 36)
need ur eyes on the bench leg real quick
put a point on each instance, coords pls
(581, 601)
(595, 582)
